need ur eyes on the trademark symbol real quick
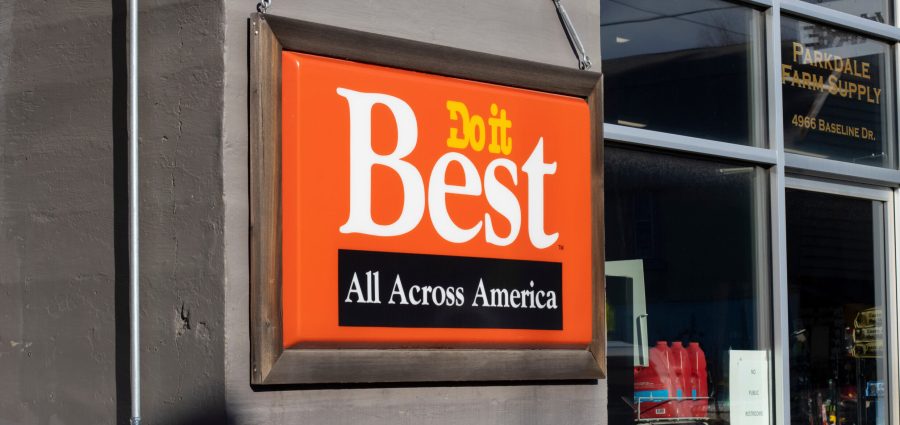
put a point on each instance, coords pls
(560, 247)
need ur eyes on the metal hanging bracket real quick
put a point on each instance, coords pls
(263, 6)
(584, 62)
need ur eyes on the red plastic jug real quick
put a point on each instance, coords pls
(698, 380)
(653, 386)
(681, 373)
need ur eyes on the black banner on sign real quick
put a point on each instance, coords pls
(438, 291)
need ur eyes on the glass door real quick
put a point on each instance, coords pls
(687, 312)
(836, 269)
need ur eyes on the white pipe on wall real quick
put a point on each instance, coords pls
(133, 213)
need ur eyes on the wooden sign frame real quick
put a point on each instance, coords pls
(270, 362)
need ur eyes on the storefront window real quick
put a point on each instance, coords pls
(690, 67)
(837, 94)
(686, 289)
(836, 294)
(876, 10)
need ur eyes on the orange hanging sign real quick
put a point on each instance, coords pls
(427, 211)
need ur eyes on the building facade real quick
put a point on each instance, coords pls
(751, 173)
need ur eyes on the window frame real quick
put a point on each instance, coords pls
(789, 170)
(886, 197)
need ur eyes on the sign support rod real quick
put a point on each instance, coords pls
(584, 62)
(133, 213)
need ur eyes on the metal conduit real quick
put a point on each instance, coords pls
(133, 213)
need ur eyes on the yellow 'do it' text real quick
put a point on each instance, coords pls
(835, 67)
(469, 129)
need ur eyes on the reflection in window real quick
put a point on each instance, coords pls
(691, 67)
(876, 10)
(836, 93)
(836, 296)
(683, 279)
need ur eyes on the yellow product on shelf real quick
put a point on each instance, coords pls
(867, 334)
(867, 350)
(867, 318)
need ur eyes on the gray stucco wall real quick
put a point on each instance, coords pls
(63, 252)
(528, 30)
